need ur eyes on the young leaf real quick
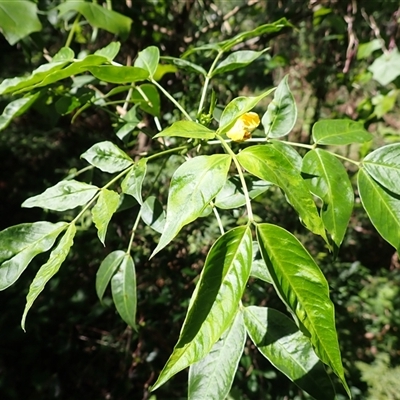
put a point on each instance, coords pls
(215, 300)
(238, 59)
(382, 207)
(19, 244)
(329, 181)
(110, 51)
(118, 75)
(107, 157)
(270, 163)
(98, 16)
(339, 132)
(106, 270)
(103, 210)
(187, 129)
(281, 114)
(212, 377)
(303, 288)
(18, 19)
(148, 59)
(288, 349)
(194, 184)
(132, 184)
(48, 270)
(65, 195)
(383, 165)
(236, 108)
(123, 289)
(153, 214)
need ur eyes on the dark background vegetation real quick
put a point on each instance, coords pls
(76, 348)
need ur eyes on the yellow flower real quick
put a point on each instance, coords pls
(243, 127)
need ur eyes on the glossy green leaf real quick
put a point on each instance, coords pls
(339, 132)
(19, 244)
(231, 195)
(212, 377)
(150, 104)
(238, 59)
(123, 289)
(132, 184)
(107, 157)
(153, 214)
(215, 300)
(107, 269)
(303, 288)
(383, 165)
(148, 59)
(328, 180)
(122, 74)
(18, 19)
(65, 195)
(49, 269)
(382, 207)
(386, 68)
(187, 129)
(110, 51)
(236, 108)
(288, 349)
(16, 108)
(103, 210)
(270, 163)
(194, 184)
(288, 153)
(98, 16)
(163, 69)
(184, 64)
(281, 114)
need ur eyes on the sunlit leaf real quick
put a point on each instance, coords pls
(187, 129)
(110, 51)
(122, 74)
(385, 69)
(148, 60)
(132, 183)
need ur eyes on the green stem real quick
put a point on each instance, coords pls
(183, 111)
(241, 177)
(216, 213)
(135, 225)
(163, 153)
(346, 159)
(143, 94)
(72, 31)
(303, 145)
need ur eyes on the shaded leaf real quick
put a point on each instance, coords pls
(152, 105)
(123, 289)
(187, 129)
(19, 244)
(215, 300)
(132, 183)
(184, 64)
(122, 74)
(65, 195)
(364, 50)
(148, 59)
(153, 214)
(288, 349)
(212, 377)
(49, 269)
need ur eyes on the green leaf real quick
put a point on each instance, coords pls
(122, 74)
(65, 195)
(364, 50)
(281, 114)
(153, 214)
(16, 108)
(19, 244)
(132, 184)
(288, 349)
(260, 271)
(187, 129)
(231, 195)
(329, 181)
(103, 210)
(382, 207)
(212, 377)
(148, 59)
(383, 165)
(98, 16)
(215, 300)
(123, 289)
(152, 104)
(110, 51)
(339, 132)
(18, 19)
(269, 163)
(194, 184)
(386, 68)
(238, 59)
(186, 65)
(384, 103)
(48, 270)
(303, 288)
(236, 108)
(107, 157)
(163, 69)
(107, 269)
